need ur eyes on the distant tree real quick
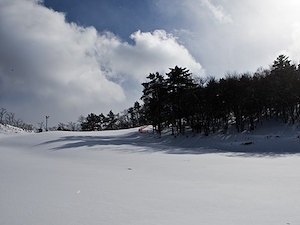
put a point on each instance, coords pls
(2, 115)
(28, 127)
(137, 111)
(81, 119)
(61, 126)
(103, 120)
(112, 119)
(91, 123)
(71, 126)
(18, 123)
(124, 120)
(132, 116)
(41, 126)
(10, 118)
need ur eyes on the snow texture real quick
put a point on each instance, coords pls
(127, 177)
(6, 129)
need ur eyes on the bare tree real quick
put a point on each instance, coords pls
(41, 126)
(10, 118)
(71, 126)
(27, 127)
(18, 123)
(81, 119)
(2, 114)
(61, 126)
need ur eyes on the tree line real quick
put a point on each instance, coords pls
(9, 118)
(131, 117)
(178, 101)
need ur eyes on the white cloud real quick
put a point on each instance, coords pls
(253, 32)
(294, 49)
(50, 66)
(156, 51)
(217, 11)
(46, 58)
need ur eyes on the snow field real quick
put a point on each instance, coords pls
(121, 177)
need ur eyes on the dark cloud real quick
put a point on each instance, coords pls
(52, 67)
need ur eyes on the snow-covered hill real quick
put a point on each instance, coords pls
(127, 177)
(8, 130)
(270, 138)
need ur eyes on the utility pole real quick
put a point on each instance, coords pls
(47, 117)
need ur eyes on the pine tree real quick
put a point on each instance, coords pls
(154, 95)
(179, 83)
(91, 123)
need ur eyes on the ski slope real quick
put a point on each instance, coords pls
(126, 177)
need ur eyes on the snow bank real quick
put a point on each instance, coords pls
(9, 130)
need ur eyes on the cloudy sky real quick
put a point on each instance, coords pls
(65, 58)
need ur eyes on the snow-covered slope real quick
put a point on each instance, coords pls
(126, 177)
(8, 130)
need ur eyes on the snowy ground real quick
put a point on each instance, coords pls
(9, 130)
(128, 178)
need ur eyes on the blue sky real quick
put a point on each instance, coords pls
(65, 58)
(204, 27)
(120, 17)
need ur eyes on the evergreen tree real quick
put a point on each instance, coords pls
(284, 81)
(154, 97)
(179, 85)
(91, 123)
(112, 120)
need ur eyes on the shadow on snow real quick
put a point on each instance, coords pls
(234, 145)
